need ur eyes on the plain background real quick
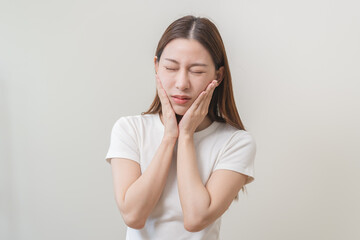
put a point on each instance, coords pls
(70, 69)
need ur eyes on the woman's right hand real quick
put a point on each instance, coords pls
(168, 114)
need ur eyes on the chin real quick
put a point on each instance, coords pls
(180, 110)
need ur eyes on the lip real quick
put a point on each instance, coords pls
(181, 99)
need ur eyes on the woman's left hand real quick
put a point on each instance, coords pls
(197, 111)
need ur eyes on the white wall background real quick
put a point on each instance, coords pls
(70, 69)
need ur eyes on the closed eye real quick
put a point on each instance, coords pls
(170, 69)
(174, 69)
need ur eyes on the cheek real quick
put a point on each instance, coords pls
(165, 81)
(202, 84)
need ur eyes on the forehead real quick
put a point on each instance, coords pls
(186, 51)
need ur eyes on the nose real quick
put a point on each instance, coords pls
(182, 80)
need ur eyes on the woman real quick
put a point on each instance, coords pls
(178, 167)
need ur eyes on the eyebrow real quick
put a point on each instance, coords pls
(192, 65)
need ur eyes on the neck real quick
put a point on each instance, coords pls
(178, 118)
(204, 124)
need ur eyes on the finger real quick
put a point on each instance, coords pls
(198, 101)
(203, 96)
(158, 83)
(159, 87)
(211, 90)
(212, 85)
(162, 94)
(208, 94)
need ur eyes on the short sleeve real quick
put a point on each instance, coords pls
(123, 141)
(238, 155)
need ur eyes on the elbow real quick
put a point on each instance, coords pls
(133, 221)
(131, 218)
(194, 224)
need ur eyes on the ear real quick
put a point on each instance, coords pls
(220, 74)
(156, 64)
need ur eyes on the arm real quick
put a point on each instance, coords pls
(201, 204)
(136, 194)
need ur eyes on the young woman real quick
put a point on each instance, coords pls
(178, 167)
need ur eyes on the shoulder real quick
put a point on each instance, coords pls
(232, 132)
(138, 125)
(136, 120)
(232, 136)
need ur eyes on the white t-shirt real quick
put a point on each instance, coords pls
(219, 146)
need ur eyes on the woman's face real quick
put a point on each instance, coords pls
(185, 69)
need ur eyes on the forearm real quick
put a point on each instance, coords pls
(144, 193)
(194, 197)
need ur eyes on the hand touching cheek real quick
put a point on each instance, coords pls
(197, 111)
(168, 114)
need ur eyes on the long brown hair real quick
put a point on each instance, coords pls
(222, 107)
